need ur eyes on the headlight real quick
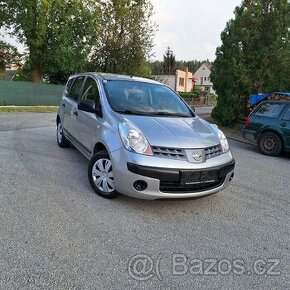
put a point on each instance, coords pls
(224, 142)
(133, 139)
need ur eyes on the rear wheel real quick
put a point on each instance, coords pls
(101, 177)
(61, 140)
(270, 144)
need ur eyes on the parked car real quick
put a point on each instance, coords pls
(269, 126)
(141, 138)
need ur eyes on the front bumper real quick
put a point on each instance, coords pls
(163, 175)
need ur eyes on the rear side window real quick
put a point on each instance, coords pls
(287, 115)
(68, 87)
(75, 88)
(272, 110)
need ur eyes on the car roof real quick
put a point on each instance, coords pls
(117, 77)
(276, 101)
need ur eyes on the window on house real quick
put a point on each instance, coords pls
(204, 78)
(201, 80)
(181, 82)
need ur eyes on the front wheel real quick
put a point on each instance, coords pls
(101, 176)
(270, 144)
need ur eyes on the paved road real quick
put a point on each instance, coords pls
(57, 234)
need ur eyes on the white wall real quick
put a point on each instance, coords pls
(202, 76)
(168, 80)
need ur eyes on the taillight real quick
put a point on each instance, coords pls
(247, 123)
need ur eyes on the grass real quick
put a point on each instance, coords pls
(36, 109)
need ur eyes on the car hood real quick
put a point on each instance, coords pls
(176, 132)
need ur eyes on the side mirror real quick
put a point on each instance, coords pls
(88, 106)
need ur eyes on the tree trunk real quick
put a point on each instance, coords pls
(36, 75)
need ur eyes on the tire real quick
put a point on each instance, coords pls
(100, 174)
(61, 140)
(270, 144)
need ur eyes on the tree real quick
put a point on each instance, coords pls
(193, 66)
(169, 63)
(253, 58)
(8, 54)
(58, 33)
(125, 37)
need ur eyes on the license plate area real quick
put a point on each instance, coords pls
(199, 177)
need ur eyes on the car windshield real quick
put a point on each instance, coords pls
(139, 98)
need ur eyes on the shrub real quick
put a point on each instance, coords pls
(193, 95)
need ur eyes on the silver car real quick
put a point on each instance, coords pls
(141, 139)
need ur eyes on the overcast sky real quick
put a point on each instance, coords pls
(190, 27)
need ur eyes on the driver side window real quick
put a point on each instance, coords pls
(91, 91)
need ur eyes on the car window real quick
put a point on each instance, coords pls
(68, 87)
(76, 87)
(91, 91)
(287, 115)
(272, 110)
(133, 97)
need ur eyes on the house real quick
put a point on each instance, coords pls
(202, 77)
(181, 81)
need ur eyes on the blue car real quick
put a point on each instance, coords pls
(269, 126)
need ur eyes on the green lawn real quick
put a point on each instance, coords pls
(37, 109)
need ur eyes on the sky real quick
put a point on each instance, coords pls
(190, 27)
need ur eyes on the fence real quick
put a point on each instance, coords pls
(29, 94)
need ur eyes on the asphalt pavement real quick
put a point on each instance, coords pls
(56, 233)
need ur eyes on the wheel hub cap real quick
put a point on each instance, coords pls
(103, 175)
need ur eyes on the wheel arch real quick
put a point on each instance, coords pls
(100, 147)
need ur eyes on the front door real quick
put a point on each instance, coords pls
(88, 123)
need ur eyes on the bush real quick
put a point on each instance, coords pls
(193, 95)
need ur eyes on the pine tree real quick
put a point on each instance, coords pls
(253, 58)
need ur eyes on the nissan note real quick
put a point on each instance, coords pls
(141, 139)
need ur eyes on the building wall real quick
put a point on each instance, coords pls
(180, 82)
(184, 81)
(169, 80)
(202, 76)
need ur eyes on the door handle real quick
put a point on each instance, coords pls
(283, 124)
(63, 105)
(76, 113)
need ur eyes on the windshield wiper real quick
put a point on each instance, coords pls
(170, 114)
(130, 112)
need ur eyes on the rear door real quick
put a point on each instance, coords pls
(267, 115)
(89, 124)
(285, 127)
(71, 106)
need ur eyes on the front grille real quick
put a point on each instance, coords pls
(179, 154)
(174, 187)
(169, 152)
(213, 151)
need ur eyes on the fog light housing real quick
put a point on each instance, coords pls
(140, 185)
